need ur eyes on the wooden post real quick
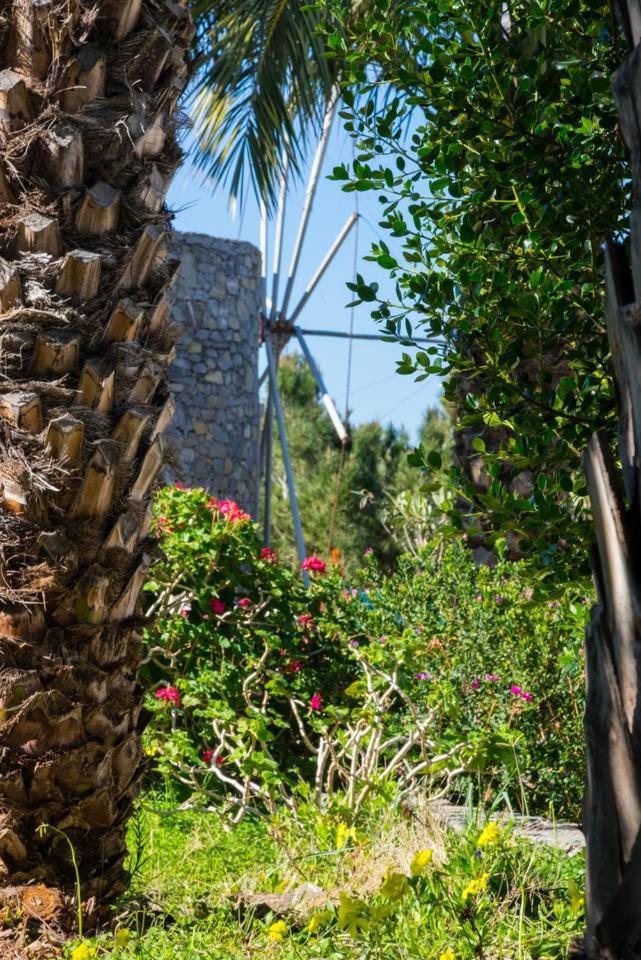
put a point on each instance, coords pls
(612, 803)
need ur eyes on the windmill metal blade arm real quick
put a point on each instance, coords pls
(331, 253)
(289, 473)
(326, 400)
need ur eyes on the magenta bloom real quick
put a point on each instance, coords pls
(316, 702)
(479, 596)
(294, 667)
(184, 612)
(368, 550)
(518, 692)
(424, 675)
(353, 644)
(492, 677)
(268, 554)
(231, 511)
(208, 755)
(217, 606)
(305, 619)
(244, 602)
(476, 683)
(315, 564)
(171, 694)
(499, 598)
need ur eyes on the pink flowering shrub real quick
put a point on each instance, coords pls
(265, 672)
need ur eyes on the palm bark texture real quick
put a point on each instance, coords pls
(88, 125)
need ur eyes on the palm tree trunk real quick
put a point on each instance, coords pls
(612, 806)
(88, 125)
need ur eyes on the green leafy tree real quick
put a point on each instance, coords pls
(345, 496)
(494, 207)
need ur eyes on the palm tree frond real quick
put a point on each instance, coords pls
(262, 82)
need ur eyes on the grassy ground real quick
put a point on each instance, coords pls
(478, 895)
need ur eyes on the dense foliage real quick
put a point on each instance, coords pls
(391, 886)
(500, 173)
(443, 674)
(365, 496)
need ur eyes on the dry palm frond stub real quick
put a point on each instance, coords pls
(88, 137)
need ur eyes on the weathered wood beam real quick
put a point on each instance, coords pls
(124, 323)
(6, 193)
(10, 286)
(151, 189)
(99, 210)
(80, 275)
(129, 432)
(96, 390)
(54, 354)
(120, 17)
(96, 493)
(150, 247)
(15, 105)
(30, 42)
(23, 410)
(85, 80)
(61, 155)
(164, 419)
(39, 234)
(65, 437)
(147, 383)
(151, 467)
(125, 606)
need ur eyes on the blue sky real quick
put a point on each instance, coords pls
(377, 392)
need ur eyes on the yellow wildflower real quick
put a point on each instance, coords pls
(352, 915)
(447, 955)
(577, 900)
(343, 835)
(83, 951)
(419, 862)
(122, 937)
(475, 886)
(489, 835)
(277, 931)
(319, 920)
(394, 886)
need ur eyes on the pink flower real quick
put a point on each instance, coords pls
(213, 503)
(244, 602)
(180, 486)
(423, 675)
(269, 555)
(368, 550)
(492, 677)
(518, 692)
(217, 606)
(476, 683)
(305, 619)
(294, 667)
(184, 612)
(527, 593)
(208, 755)
(499, 598)
(314, 563)
(353, 644)
(171, 694)
(316, 702)
(479, 596)
(231, 510)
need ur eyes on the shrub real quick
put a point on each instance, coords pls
(439, 676)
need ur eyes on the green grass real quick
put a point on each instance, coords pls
(189, 874)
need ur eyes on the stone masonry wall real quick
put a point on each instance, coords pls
(215, 374)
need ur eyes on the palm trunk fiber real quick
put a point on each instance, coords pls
(88, 95)
(612, 806)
